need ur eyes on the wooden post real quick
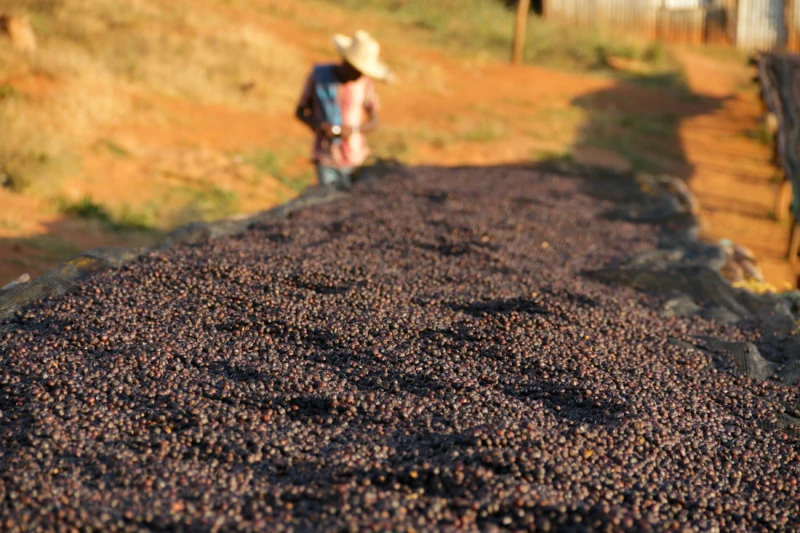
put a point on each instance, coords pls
(794, 242)
(783, 200)
(523, 8)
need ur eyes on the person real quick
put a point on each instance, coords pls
(340, 105)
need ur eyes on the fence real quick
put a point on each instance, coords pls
(748, 24)
(793, 25)
(630, 16)
(761, 25)
(684, 25)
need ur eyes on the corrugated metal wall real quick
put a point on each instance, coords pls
(761, 25)
(750, 24)
(682, 25)
(793, 25)
(671, 20)
(630, 16)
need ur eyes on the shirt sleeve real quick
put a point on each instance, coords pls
(372, 103)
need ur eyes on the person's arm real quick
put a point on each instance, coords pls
(373, 120)
(305, 114)
(305, 109)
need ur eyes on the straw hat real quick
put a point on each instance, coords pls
(363, 52)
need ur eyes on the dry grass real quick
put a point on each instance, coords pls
(43, 129)
(94, 54)
(168, 47)
(483, 30)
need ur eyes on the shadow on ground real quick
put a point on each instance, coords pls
(636, 125)
(62, 239)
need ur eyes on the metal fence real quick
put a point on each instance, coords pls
(748, 24)
(683, 25)
(761, 25)
(793, 26)
(630, 16)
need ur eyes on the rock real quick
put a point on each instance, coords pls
(680, 238)
(771, 123)
(751, 270)
(700, 283)
(658, 259)
(746, 356)
(740, 263)
(7, 307)
(792, 301)
(665, 208)
(658, 207)
(720, 315)
(741, 253)
(18, 30)
(112, 256)
(710, 256)
(191, 233)
(732, 271)
(24, 278)
(678, 189)
(682, 306)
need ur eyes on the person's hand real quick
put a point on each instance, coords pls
(348, 131)
(326, 129)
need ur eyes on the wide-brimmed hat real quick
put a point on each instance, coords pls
(363, 52)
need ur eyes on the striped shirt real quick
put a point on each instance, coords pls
(354, 99)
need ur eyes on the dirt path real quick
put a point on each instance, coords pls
(733, 175)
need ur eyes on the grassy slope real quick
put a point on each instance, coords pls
(98, 55)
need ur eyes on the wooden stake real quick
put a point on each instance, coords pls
(783, 200)
(794, 242)
(523, 8)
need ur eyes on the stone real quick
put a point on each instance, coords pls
(681, 306)
(746, 356)
(732, 271)
(751, 270)
(24, 278)
(720, 315)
